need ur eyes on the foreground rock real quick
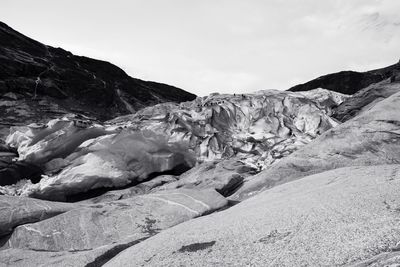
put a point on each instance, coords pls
(15, 211)
(102, 224)
(334, 218)
(372, 138)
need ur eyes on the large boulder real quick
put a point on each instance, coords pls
(102, 224)
(371, 138)
(334, 218)
(224, 176)
(140, 189)
(15, 211)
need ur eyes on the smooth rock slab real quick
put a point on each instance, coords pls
(140, 189)
(101, 224)
(333, 218)
(16, 211)
(224, 176)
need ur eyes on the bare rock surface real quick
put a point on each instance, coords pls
(338, 217)
(140, 189)
(365, 99)
(224, 176)
(92, 226)
(15, 211)
(372, 138)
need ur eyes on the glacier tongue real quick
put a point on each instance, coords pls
(258, 129)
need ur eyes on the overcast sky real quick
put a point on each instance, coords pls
(206, 46)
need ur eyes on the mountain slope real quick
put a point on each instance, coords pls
(349, 82)
(51, 80)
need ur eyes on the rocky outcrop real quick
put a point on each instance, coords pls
(334, 218)
(91, 234)
(349, 82)
(365, 99)
(224, 176)
(140, 189)
(15, 211)
(39, 82)
(371, 138)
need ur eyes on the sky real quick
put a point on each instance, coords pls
(226, 46)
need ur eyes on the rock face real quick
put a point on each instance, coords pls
(371, 138)
(349, 82)
(365, 99)
(258, 129)
(334, 218)
(101, 224)
(16, 211)
(103, 227)
(140, 189)
(224, 176)
(38, 82)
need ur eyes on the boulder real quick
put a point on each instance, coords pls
(343, 216)
(140, 189)
(224, 176)
(371, 138)
(102, 224)
(15, 211)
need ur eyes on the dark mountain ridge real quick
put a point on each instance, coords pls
(349, 82)
(34, 71)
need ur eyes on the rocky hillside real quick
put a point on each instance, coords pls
(41, 82)
(349, 82)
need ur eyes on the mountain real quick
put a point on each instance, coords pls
(349, 82)
(41, 82)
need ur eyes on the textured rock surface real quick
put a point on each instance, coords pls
(38, 82)
(224, 176)
(93, 226)
(89, 258)
(371, 138)
(365, 99)
(333, 218)
(140, 189)
(16, 211)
